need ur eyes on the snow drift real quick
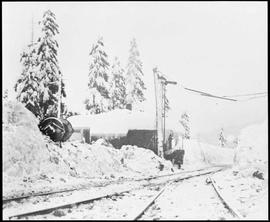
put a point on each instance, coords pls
(32, 163)
(25, 150)
(252, 150)
(143, 160)
(202, 154)
(24, 147)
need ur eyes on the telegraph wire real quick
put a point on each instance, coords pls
(251, 94)
(201, 93)
(256, 97)
(209, 95)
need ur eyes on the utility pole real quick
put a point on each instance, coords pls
(160, 95)
(164, 84)
(159, 105)
(164, 113)
(156, 122)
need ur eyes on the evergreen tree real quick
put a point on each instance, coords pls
(48, 65)
(98, 83)
(118, 88)
(222, 138)
(134, 84)
(27, 85)
(185, 123)
(39, 82)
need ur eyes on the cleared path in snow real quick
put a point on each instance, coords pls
(190, 199)
(69, 200)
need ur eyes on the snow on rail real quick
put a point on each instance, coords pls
(225, 200)
(85, 197)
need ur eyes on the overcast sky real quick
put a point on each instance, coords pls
(217, 47)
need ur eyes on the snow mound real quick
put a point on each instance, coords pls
(26, 154)
(202, 154)
(15, 114)
(252, 150)
(92, 161)
(31, 162)
(24, 148)
(143, 160)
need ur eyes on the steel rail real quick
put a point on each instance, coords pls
(152, 201)
(224, 200)
(4, 201)
(18, 198)
(39, 211)
(90, 199)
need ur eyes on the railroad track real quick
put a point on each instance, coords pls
(224, 199)
(19, 198)
(158, 180)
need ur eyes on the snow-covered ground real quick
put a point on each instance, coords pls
(189, 200)
(32, 163)
(199, 154)
(247, 182)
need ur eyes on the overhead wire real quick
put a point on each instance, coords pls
(209, 95)
(230, 98)
(251, 94)
(256, 97)
(260, 95)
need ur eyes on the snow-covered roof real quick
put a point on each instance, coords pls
(115, 122)
(119, 121)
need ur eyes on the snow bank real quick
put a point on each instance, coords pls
(25, 151)
(247, 182)
(92, 161)
(144, 161)
(24, 147)
(31, 162)
(201, 154)
(252, 150)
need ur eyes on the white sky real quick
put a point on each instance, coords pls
(217, 47)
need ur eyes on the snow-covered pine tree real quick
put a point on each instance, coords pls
(221, 138)
(134, 84)
(48, 65)
(117, 88)
(37, 87)
(98, 83)
(27, 85)
(185, 123)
